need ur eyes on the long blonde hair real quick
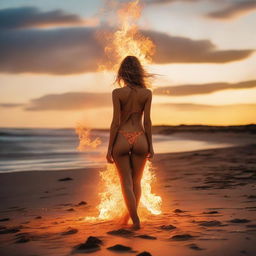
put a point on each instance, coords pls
(132, 73)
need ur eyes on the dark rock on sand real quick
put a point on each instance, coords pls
(251, 197)
(211, 212)
(203, 187)
(144, 254)
(119, 248)
(92, 244)
(195, 247)
(67, 204)
(239, 221)
(82, 203)
(167, 227)
(147, 237)
(65, 179)
(251, 226)
(70, 210)
(9, 230)
(38, 217)
(178, 211)
(70, 231)
(5, 219)
(211, 223)
(183, 237)
(23, 238)
(121, 232)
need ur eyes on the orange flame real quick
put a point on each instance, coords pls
(111, 199)
(84, 138)
(127, 40)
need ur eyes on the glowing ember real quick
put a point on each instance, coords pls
(127, 40)
(84, 138)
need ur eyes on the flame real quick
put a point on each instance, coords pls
(112, 204)
(84, 138)
(127, 40)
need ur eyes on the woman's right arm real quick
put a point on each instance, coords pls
(148, 124)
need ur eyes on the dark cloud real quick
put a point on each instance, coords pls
(58, 51)
(27, 17)
(176, 49)
(78, 50)
(191, 89)
(81, 49)
(70, 101)
(233, 10)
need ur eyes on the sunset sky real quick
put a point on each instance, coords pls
(50, 52)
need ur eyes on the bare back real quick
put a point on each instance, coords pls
(132, 106)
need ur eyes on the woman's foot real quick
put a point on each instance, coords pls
(135, 226)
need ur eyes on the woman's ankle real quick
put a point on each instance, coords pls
(136, 220)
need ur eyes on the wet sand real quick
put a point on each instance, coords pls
(209, 208)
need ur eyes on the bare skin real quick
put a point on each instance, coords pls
(130, 162)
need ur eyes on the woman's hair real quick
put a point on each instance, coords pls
(131, 73)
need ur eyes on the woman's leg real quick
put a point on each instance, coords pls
(122, 160)
(138, 167)
(138, 162)
(138, 158)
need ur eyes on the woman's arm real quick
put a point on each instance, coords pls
(115, 121)
(148, 124)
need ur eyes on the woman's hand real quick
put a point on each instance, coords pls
(109, 157)
(150, 154)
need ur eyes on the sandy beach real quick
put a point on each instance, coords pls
(209, 205)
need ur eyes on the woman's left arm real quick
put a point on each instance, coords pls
(114, 124)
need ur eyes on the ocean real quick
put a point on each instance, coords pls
(33, 149)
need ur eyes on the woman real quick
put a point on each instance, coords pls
(130, 142)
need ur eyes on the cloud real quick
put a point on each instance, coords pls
(233, 10)
(75, 101)
(81, 49)
(176, 49)
(10, 105)
(70, 101)
(58, 51)
(201, 107)
(186, 106)
(30, 17)
(191, 89)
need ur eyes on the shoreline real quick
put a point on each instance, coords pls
(187, 136)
